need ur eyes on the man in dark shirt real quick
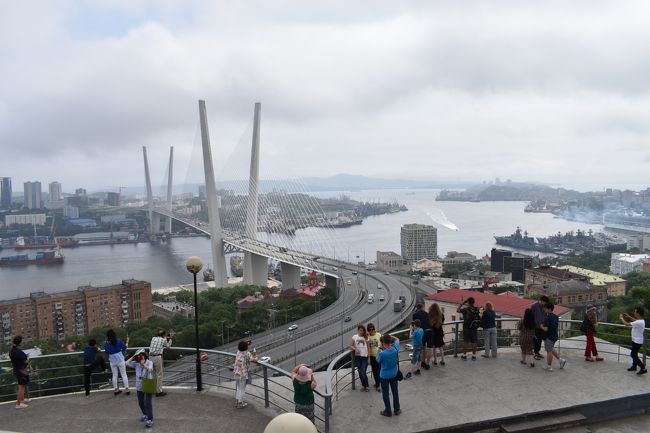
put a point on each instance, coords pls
(550, 326)
(423, 317)
(91, 361)
(471, 316)
(538, 312)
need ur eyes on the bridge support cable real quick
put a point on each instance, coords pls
(170, 175)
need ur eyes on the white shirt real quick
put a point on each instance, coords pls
(637, 331)
(360, 345)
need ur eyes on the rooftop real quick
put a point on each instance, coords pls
(630, 258)
(505, 303)
(559, 273)
(597, 278)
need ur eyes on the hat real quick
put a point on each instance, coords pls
(591, 307)
(140, 352)
(304, 374)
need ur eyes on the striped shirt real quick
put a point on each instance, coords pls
(158, 344)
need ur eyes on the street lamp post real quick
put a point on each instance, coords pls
(194, 265)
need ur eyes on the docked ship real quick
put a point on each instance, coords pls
(627, 221)
(54, 257)
(578, 241)
(345, 221)
(43, 242)
(237, 266)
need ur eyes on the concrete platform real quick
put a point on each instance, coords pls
(181, 411)
(465, 392)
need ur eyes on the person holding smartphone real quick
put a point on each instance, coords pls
(304, 385)
(156, 348)
(143, 369)
(637, 323)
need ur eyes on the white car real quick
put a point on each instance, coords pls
(293, 327)
(266, 359)
(335, 269)
(386, 273)
(381, 298)
(349, 283)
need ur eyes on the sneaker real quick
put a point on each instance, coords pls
(463, 357)
(408, 375)
(589, 359)
(398, 411)
(384, 413)
(538, 356)
(127, 392)
(26, 400)
(532, 365)
(562, 362)
(143, 418)
(378, 389)
(161, 394)
(485, 356)
(21, 406)
(417, 372)
(522, 362)
(442, 362)
(119, 391)
(426, 367)
(599, 359)
(242, 405)
(642, 371)
(631, 369)
(548, 368)
(435, 362)
(149, 423)
(473, 358)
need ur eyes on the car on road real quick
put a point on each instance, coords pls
(355, 273)
(379, 286)
(386, 273)
(371, 299)
(349, 282)
(381, 298)
(335, 269)
(293, 327)
(415, 282)
(347, 319)
(266, 359)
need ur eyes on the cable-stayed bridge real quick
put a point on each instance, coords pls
(234, 219)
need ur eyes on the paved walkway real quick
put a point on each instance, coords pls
(181, 411)
(470, 391)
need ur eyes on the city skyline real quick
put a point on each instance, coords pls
(378, 89)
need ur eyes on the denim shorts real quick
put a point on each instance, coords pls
(417, 355)
(549, 345)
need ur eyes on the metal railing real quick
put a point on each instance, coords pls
(63, 373)
(341, 368)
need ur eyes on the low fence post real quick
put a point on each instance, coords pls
(456, 340)
(645, 341)
(328, 412)
(352, 364)
(266, 386)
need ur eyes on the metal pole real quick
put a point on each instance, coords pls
(456, 340)
(266, 386)
(352, 365)
(199, 384)
(294, 348)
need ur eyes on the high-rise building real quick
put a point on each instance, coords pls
(418, 241)
(56, 316)
(55, 191)
(33, 195)
(113, 198)
(5, 192)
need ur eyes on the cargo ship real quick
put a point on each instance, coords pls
(627, 221)
(54, 257)
(43, 242)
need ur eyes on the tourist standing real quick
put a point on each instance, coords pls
(304, 385)
(588, 327)
(388, 358)
(92, 360)
(374, 342)
(241, 372)
(156, 348)
(471, 323)
(538, 312)
(115, 349)
(416, 334)
(526, 328)
(143, 370)
(489, 321)
(437, 319)
(359, 345)
(20, 364)
(427, 345)
(550, 326)
(637, 323)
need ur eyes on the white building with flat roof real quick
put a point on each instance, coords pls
(623, 263)
(418, 241)
(36, 219)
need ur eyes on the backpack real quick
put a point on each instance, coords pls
(473, 318)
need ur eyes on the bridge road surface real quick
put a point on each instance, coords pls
(325, 329)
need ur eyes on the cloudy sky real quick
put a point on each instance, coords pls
(468, 90)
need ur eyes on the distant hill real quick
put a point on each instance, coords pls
(510, 191)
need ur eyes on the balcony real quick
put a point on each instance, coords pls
(444, 397)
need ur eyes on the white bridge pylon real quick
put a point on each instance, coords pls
(256, 252)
